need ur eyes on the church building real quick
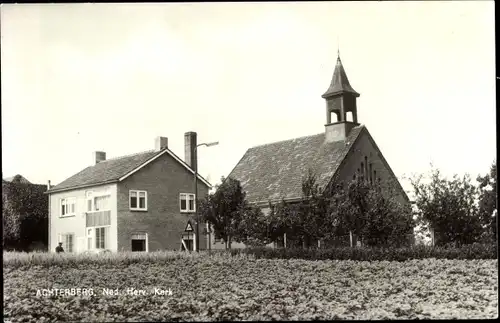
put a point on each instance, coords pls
(344, 151)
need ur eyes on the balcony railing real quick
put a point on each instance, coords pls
(98, 218)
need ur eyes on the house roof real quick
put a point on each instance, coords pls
(16, 179)
(274, 171)
(340, 82)
(115, 170)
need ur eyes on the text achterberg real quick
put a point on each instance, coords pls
(65, 292)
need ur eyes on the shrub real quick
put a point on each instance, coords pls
(473, 251)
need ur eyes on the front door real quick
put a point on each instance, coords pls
(188, 244)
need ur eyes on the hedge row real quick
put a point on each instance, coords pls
(43, 259)
(473, 251)
(74, 260)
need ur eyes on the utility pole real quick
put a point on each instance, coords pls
(197, 240)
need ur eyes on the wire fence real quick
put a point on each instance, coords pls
(441, 238)
(354, 240)
(350, 240)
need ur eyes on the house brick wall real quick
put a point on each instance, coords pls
(163, 179)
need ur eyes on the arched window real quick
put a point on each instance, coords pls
(362, 173)
(334, 117)
(367, 175)
(349, 117)
(371, 173)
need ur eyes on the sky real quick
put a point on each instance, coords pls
(79, 78)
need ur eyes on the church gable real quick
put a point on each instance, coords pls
(365, 161)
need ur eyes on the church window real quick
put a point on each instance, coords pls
(366, 169)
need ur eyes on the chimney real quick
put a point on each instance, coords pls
(189, 149)
(48, 185)
(161, 143)
(99, 156)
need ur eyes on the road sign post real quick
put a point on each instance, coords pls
(189, 229)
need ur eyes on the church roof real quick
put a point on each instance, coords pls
(340, 82)
(274, 171)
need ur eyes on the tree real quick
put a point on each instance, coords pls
(303, 222)
(24, 215)
(449, 207)
(388, 221)
(281, 220)
(310, 221)
(230, 215)
(488, 202)
(252, 228)
(370, 211)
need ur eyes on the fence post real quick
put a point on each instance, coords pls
(350, 237)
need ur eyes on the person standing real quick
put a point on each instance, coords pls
(59, 248)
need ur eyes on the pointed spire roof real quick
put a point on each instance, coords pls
(340, 82)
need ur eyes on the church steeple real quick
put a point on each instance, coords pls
(340, 82)
(340, 100)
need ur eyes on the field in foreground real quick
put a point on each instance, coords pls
(221, 287)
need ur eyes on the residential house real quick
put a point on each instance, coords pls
(345, 150)
(16, 179)
(139, 202)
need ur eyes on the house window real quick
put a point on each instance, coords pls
(139, 242)
(138, 200)
(68, 206)
(67, 239)
(101, 235)
(90, 234)
(187, 202)
(101, 203)
(98, 203)
(97, 238)
(89, 201)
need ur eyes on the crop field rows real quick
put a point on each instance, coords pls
(224, 287)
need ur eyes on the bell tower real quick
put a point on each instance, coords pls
(340, 100)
